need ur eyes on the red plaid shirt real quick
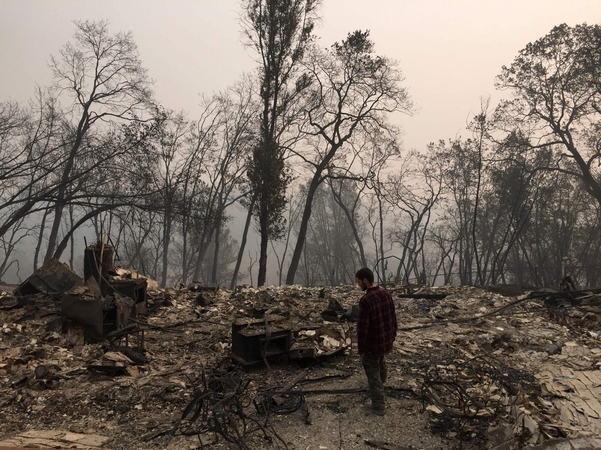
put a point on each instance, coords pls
(377, 324)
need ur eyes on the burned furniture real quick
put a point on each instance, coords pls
(98, 264)
(85, 311)
(256, 340)
(103, 303)
(97, 315)
(124, 296)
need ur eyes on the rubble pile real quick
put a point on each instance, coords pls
(512, 362)
(201, 365)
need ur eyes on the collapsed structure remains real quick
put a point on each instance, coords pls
(111, 361)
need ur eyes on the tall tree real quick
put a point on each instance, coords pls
(460, 162)
(413, 191)
(330, 253)
(103, 79)
(171, 164)
(348, 198)
(279, 31)
(556, 85)
(352, 91)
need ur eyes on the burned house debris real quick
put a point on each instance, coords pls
(278, 368)
(101, 304)
(256, 340)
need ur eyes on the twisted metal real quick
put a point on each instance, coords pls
(219, 408)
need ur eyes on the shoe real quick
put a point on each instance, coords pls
(371, 410)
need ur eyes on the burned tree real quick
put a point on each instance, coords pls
(414, 192)
(103, 79)
(556, 86)
(352, 91)
(279, 31)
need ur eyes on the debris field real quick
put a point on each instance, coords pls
(200, 366)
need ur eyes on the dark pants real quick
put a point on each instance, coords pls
(376, 371)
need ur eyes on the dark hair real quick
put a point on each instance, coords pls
(365, 273)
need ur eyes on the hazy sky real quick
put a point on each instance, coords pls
(449, 50)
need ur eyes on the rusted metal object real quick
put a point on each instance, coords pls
(98, 261)
(105, 302)
(130, 341)
(87, 312)
(53, 277)
(98, 264)
(277, 398)
(254, 341)
(134, 288)
(298, 352)
(124, 307)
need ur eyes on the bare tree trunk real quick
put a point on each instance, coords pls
(480, 120)
(72, 253)
(185, 262)
(242, 244)
(38, 247)
(216, 254)
(166, 242)
(202, 251)
(302, 233)
(82, 128)
(382, 259)
(351, 221)
(262, 277)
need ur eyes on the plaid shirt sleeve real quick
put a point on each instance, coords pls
(363, 324)
(377, 323)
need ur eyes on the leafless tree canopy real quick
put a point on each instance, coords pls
(307, 148)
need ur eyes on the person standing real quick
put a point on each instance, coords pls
(376, 331)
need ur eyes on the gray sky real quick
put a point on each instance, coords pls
(449, 50)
